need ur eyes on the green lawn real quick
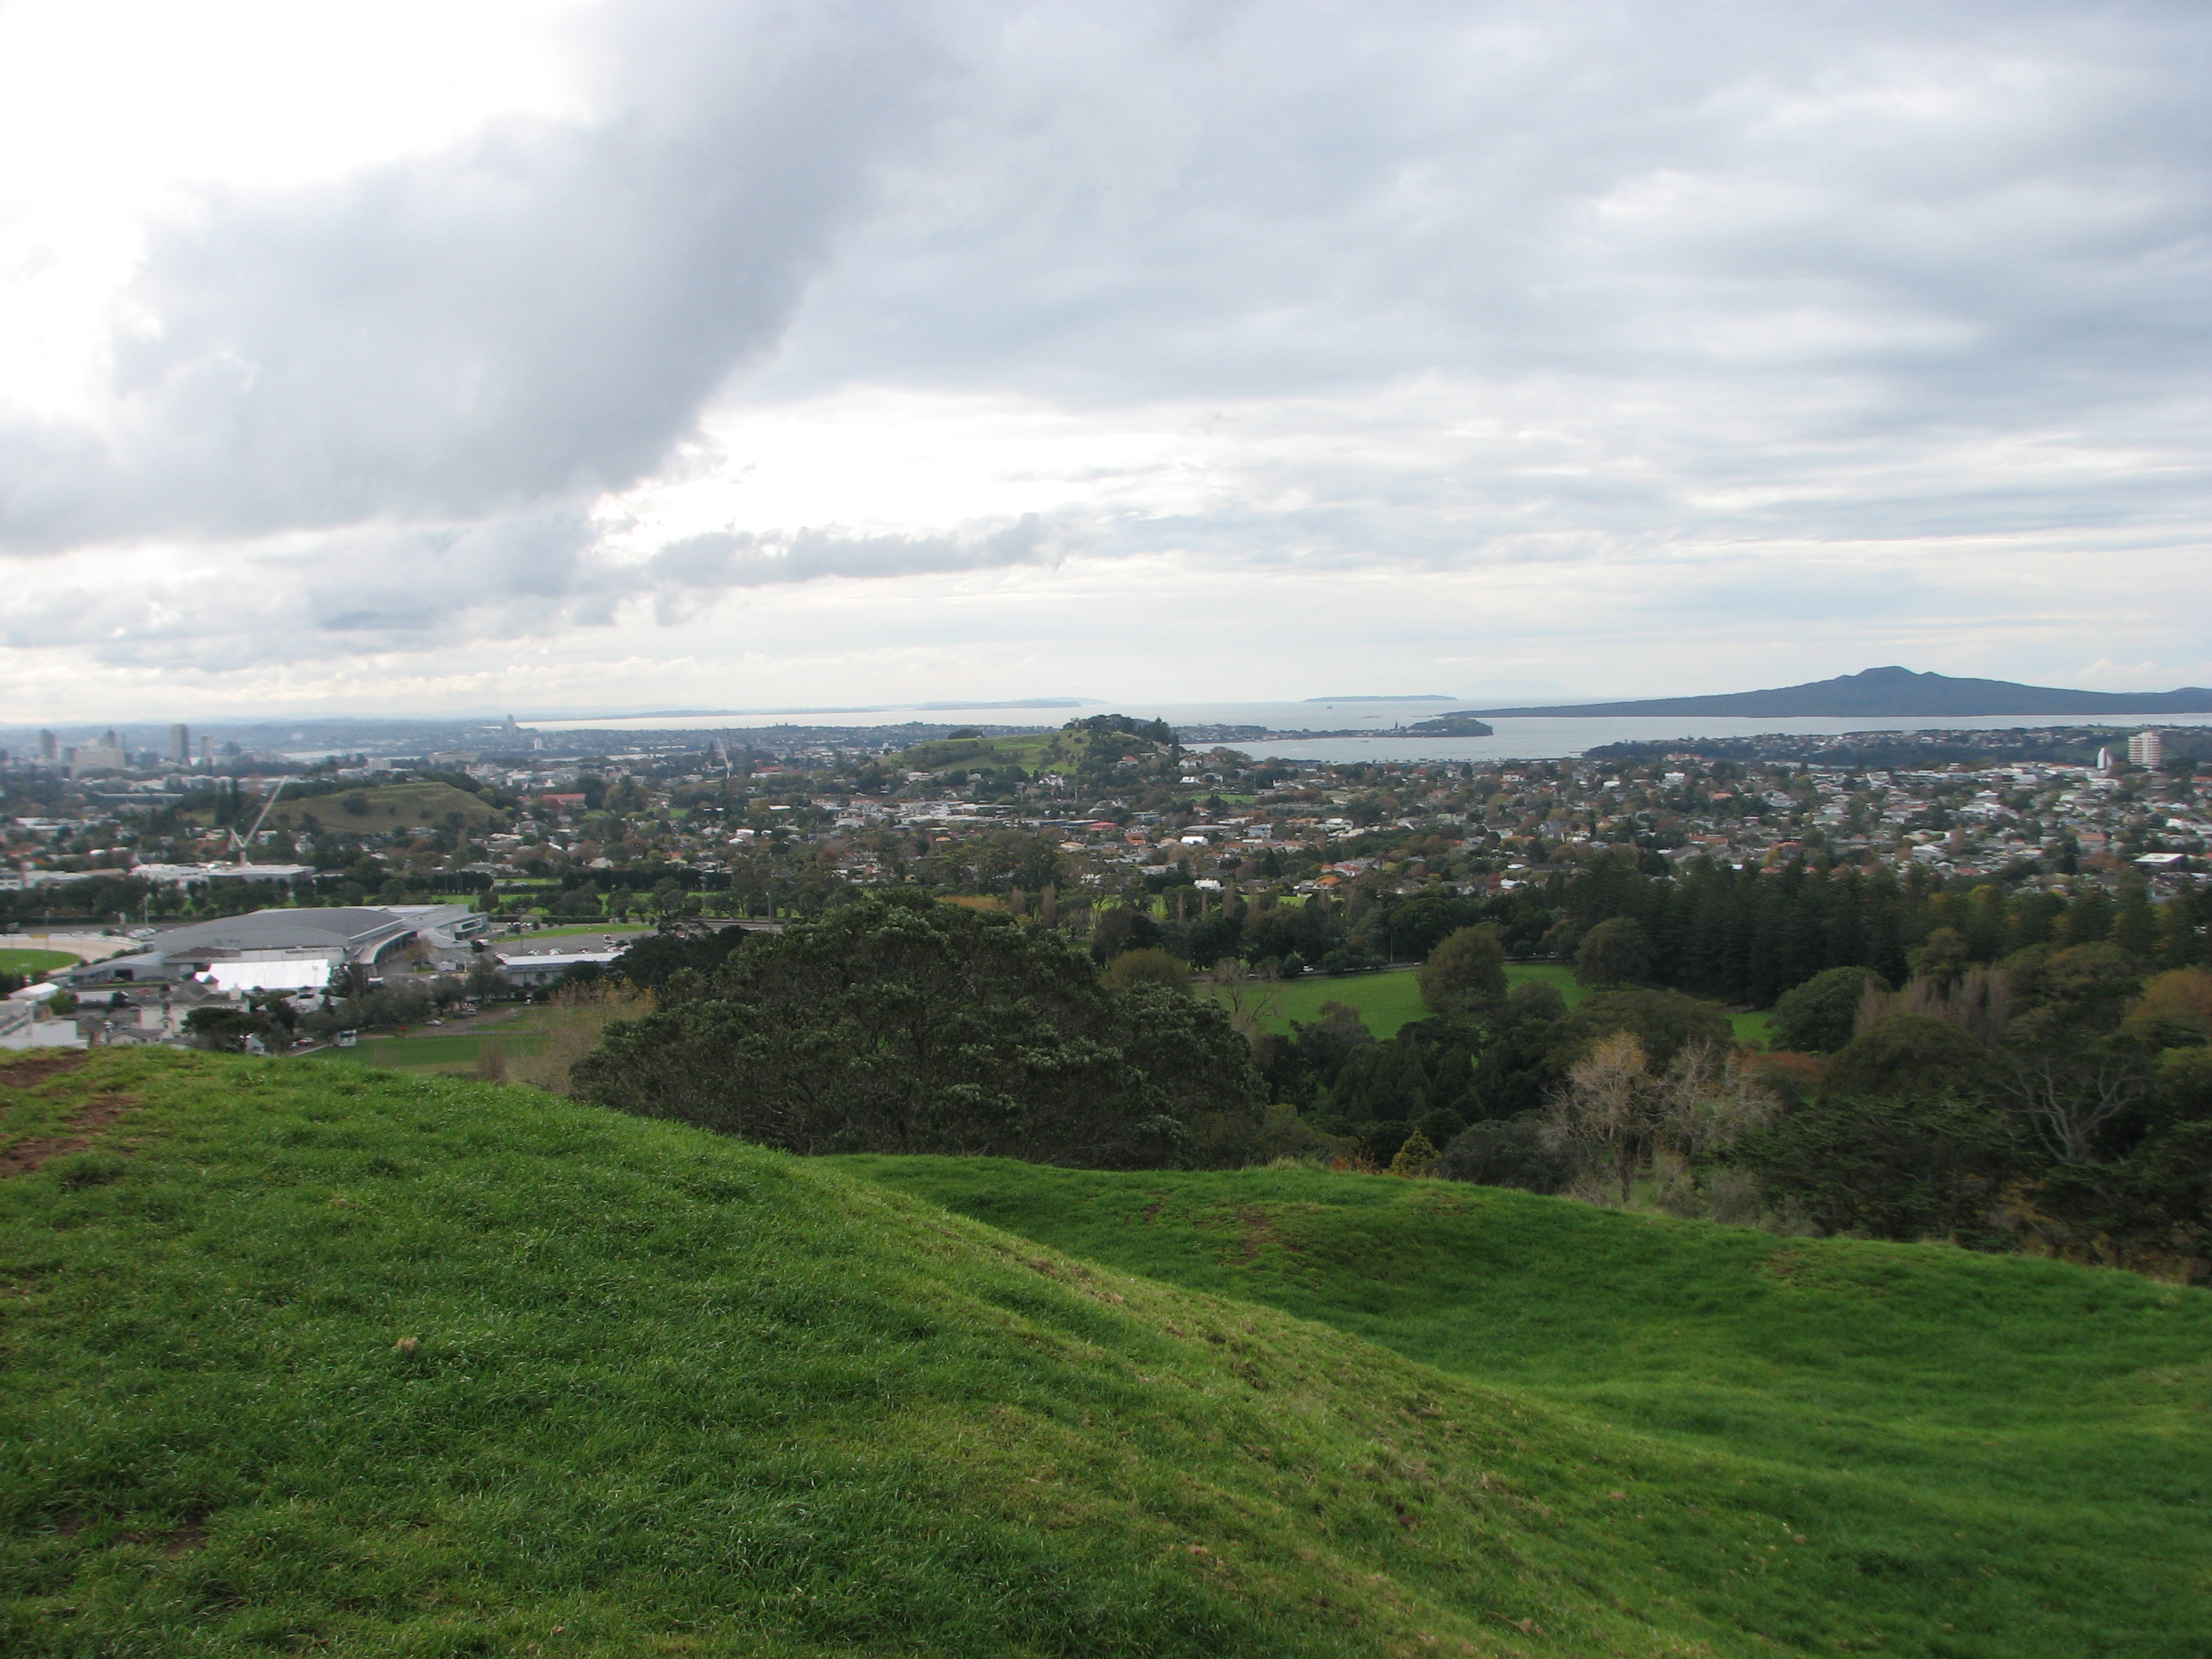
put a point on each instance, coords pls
(432, 1052)
(427, 1051)
(1386, 1000)
(318, 1358)
(1984, 1455)
(32, 964)
(1391, 998)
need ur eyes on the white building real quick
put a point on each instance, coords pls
(527, 970)
(22, 1027)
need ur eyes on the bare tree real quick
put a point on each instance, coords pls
(1978, 1001)
(1251, 1002)
(1605, 1110)
(2068, 1097)
(1614, 1109)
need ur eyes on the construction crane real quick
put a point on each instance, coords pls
(243, 846)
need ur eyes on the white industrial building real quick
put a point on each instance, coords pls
(289, 950)
(529, 970)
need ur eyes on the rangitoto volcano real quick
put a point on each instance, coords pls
(1891, 691)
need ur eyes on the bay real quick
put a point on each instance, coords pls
(1381, 726)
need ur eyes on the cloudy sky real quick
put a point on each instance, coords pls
(503, 354)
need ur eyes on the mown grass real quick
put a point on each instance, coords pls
(457, 1052)
(322, 1358)
(32, 964)
(1993, 1456)
(1390, 998)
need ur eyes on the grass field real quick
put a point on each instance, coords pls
(389, 806)
(318, 1359)
(1990, 1456)
(450, 1050)
(32, 964)
(1391, 998)
(431, 1052)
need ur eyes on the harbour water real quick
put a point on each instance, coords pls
(1380, 723)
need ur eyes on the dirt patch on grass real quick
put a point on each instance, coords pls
(184, 1539)
(1259, 1231)
(29, 1074)
(84, 1124)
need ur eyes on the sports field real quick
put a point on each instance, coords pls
(32, 964)
(1392, 997)
(431, 1051)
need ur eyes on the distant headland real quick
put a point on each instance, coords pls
(1892, 691)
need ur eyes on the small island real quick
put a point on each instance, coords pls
(1461, 724)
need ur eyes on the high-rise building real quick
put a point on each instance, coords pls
(49, 750)
(2147, 749)
(180, 744)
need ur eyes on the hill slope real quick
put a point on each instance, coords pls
(1893, 692)
(300, 1358)
(1999, 1456)
(387, 806)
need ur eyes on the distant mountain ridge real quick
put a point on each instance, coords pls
(1891, 691)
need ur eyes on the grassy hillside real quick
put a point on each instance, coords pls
(388, 806)
(321, 1358)
(1065, 752)
(1992, 1456)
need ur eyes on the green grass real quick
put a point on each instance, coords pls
(1386, 1000)
(319, 1359)
(1752, 1027)
(1990, 1456)
(454, 1051)
(1391, 998)
(32, 964)
(388, 806)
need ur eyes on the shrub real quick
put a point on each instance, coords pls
(1507, 1152)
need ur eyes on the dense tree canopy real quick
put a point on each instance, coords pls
(1465, 973)
(903, 1024)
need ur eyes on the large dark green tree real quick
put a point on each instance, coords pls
(1466, 973)
(1820, 1016)
(903, 1024)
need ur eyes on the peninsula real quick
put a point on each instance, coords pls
(1892, 691)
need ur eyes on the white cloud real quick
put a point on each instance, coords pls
(781, 351)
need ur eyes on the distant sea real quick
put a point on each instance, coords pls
(1516, 740)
